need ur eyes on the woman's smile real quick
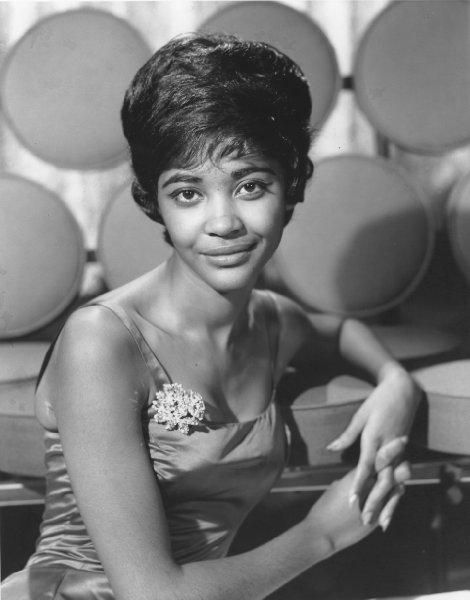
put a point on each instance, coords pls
(229, 260)
(231, 254)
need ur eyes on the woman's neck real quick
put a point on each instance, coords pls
(191, 306)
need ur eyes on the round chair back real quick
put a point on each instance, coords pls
(129, 243)
(360, 242)
(412, 74)
(62, 85)
(458, 225)
(41, 256)
(21, 435)
(447, 388)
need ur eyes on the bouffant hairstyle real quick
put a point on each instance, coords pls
(207, 96)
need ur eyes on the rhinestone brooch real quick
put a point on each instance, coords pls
(177, 408)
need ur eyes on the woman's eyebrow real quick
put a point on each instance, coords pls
(239, 173)
(181, 177)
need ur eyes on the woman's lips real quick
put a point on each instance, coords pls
(233, 248)
(229, 255)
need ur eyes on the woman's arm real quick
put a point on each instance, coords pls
(385, 417)
(98, 384)
(386, 414)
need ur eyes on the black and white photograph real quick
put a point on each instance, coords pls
(235, 300)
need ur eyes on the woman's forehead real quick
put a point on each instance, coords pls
(233, 164)
(219, 157)
(214, 149)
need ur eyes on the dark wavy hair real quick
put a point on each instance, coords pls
(207, 96)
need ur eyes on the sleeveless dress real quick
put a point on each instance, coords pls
(209, 481)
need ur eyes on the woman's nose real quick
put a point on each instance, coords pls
(222, 219)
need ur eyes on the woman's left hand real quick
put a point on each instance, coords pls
(384, 421)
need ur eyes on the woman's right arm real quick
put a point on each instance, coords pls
(98, 384)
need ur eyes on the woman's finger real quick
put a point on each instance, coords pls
(350, 434)
(402, 472)
(365, 469)
(378, 496)
(388, 510)
(396, 488)
(390, 452)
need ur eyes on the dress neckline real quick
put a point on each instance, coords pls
(154, 363)
(258, 417)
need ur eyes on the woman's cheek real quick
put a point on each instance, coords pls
(268, 218)
(182, 225)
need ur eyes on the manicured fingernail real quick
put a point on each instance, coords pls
(367, 518)
(384, 523)
(353, 498)
(336, 445)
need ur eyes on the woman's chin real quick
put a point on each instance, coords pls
(233, 283)
(235, 279)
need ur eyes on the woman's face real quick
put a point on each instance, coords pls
(225, 218)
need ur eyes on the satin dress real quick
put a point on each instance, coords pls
(209, 481)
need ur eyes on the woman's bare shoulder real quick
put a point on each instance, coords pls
(302, 329)
(93, 350)
(287, 323)
(293, 315)
(94, 327)
(287, 311)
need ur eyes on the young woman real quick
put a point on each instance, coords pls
(162, 431)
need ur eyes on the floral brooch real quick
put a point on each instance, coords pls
(177, 408)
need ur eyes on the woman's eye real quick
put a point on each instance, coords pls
(250, 187)
(185, 196)
(253, 188)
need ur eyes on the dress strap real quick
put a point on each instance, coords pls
(273, 326)
(148, 355)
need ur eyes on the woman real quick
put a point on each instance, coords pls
(158, 399)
